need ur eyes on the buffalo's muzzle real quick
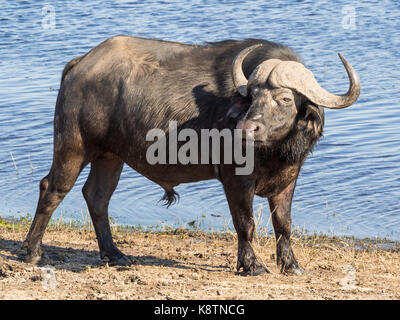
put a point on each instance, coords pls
(252, 130)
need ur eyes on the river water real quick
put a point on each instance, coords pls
(350, 185)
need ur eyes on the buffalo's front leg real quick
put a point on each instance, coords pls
(280, 206)
(240, 199)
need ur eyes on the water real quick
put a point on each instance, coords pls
(350, 185)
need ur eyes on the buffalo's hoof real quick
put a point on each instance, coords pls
(32, 259)
(293, 269)
(123, 261)
(255, 270)
(34, 253)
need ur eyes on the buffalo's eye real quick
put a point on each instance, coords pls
(283, 99)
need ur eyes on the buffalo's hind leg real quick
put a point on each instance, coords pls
(97, 191)
(280, 206)
(53, 188)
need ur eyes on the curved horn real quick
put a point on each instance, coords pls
(296, 76)
(238, 77)
(261, 73)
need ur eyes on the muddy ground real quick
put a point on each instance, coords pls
(189, 265)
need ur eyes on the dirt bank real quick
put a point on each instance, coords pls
(191, 266)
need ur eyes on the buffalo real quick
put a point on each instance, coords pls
(111, 97)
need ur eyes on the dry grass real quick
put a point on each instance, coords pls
(183, 264)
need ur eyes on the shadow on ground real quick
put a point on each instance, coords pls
(78, 260)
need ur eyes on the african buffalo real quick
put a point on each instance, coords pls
(111, 97)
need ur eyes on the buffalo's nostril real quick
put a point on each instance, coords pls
(251, 129)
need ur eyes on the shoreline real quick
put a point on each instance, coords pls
(186, 264)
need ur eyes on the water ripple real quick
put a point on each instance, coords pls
(350, 185)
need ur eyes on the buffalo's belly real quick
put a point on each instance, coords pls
(174, 174)
(161, 173)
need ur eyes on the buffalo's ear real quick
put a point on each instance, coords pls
(315, 112)
(311, 119)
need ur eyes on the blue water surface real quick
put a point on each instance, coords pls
(350, 185)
